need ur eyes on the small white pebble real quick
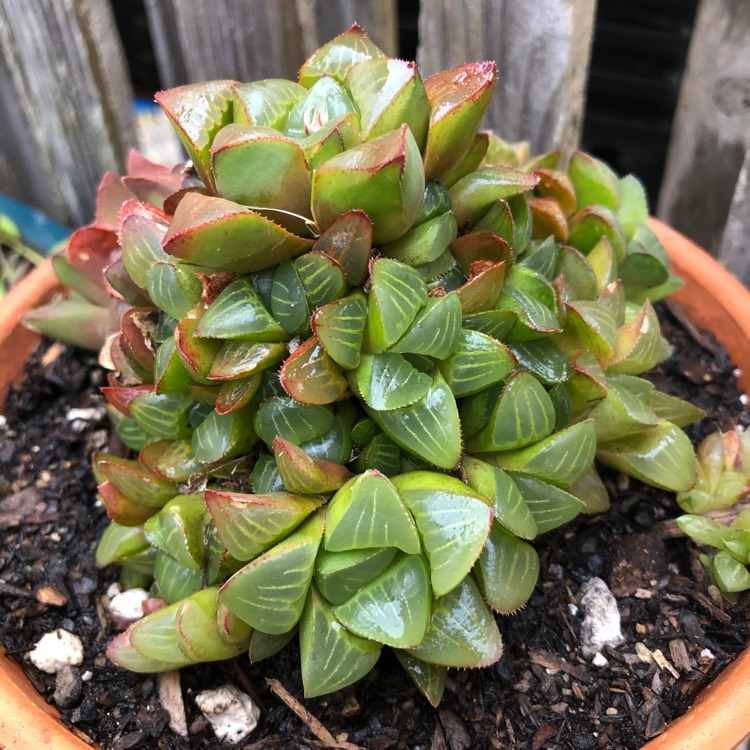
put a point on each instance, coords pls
(599, 660)
(573, 610)
(56, 650)
(128, 606)
(706, 653)
(54, 536)
(601, 623)
(744, 400)
(643, 653)
(114, 590)
(87, 675)
(736, 372)
(231, 712)
(3, 421)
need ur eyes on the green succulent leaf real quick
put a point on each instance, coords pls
(264, 645)
(509, 507)
(265, 476)
(220, 234)
(197, 354)
(331, 656)
(239, 313)
(478, 246)
(367, 512)
(340, 328)
(250, 524)
(198, 111)
(477, 362)
(291, 420)
(621, 412)
(305, 475)
(174, 287)
(134, 480)
(730, 575)
(269, 593)
(588, 227)
(177, 530)
(495, 323)
(523, 414)
(164, 415)
(349, 242)
(430, 428)
(259, 167)
(458, 100)
(322, 278)
(472, 196)
(387, 94)
(396, 296)
(436, 329)
(220, 437)
(122, 652)
(381, 454)
(639, 345)
(335, 58)
(507, 571)
(173, 581)
(562, 459)
(339, 575)
(590, 490)
(326, 101)
(170, 373)
(142, 229)
(265, 102)
(383, 177)
(118, 543)
(550, 505)
(425, 242)
(172, 460)
(429, 678)
(242, 359)
(661, 456)
(387, 381)
(543, 358)
(462, 631)
(395, 608)
(289, 303)
(237, 394)
(593, 181)
(199, 635)
(310, 376)
(594, 326)
(468, 163)
(483, 290)
(453, 521)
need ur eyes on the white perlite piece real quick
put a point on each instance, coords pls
(601, 621)
(56, 650)
(231, 712)
(599, 660)
(127, 607)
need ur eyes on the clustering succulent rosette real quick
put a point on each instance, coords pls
(366, 354)
(723, 481)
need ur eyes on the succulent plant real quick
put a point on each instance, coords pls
(16, 257)
(366, 355)
(723, 480)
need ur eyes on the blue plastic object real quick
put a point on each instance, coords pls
(37, 230)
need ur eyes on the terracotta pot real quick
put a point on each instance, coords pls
(711, 298)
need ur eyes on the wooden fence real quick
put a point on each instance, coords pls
(65, 97)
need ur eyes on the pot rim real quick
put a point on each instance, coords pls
(711, 297)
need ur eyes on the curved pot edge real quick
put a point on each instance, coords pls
(17, 342)
(718, 719)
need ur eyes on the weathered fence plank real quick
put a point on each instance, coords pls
(251, 39)
(66, 114)
(711, 130)
(542, 52)
(734, 251)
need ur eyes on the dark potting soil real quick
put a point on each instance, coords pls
(679, 631)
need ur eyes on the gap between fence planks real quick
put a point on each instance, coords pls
(711, 133)
(542, 51)
(66, 114)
